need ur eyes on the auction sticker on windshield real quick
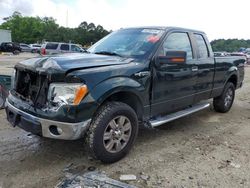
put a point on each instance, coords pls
(152, 31)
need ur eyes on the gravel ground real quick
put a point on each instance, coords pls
(206, 149)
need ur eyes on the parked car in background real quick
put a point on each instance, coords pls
(248, 57)
(50, 48)
(238, 54)
(10, 47)
(35, 48)
(247, 50)
(25, 47)
(221, 54)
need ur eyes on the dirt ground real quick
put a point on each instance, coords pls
(206, 149)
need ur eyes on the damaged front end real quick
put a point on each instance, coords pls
(31, 81)
(45, 85)
(43, 100)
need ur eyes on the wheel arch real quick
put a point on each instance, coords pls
(120, 89)
(233, 78)
(129, 98)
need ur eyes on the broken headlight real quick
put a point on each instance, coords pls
(66, 93)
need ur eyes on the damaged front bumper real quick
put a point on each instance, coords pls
(45, 127)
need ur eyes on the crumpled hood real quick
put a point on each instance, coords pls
(70, 62)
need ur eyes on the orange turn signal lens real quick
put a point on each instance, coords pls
(80, 94)
(178, 60)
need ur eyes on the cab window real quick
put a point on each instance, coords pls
(177, 42)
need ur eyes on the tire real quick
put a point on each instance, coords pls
(224, 102)
(120, 124)
(16, 52)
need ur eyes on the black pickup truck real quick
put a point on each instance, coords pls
(135, 76)
(10, 47)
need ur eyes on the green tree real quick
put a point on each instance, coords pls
(37, 29)
(230, 45)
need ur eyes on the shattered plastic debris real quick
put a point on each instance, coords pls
(91, 180)
(145, 177)
(127, 177)
(235, 165)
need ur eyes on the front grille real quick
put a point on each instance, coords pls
(31, 86)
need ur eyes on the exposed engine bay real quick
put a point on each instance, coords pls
(32, 87)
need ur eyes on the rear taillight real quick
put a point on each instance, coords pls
(43, 51)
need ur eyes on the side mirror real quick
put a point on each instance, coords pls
(172, 57)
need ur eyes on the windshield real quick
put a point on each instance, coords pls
(128, 42)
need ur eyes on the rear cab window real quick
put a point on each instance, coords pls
(202, 46)
(51, 46)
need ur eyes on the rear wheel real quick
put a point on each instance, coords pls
(112, 132)
(16, 52)
(224, 102)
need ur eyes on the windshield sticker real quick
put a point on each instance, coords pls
(152, 31)
(153, 39)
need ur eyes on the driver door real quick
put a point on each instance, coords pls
(173, 82)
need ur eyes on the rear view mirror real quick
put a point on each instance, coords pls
(172, 57)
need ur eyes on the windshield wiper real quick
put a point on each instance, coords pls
(108, 53)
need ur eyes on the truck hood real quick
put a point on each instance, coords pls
(70, 62)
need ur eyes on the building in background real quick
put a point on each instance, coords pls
(5, 36)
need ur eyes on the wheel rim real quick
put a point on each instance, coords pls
(117, 134)
(228, 97)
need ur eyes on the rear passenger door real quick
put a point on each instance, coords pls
(64, 48)
(205, 67)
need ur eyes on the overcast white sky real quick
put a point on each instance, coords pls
(218, 18)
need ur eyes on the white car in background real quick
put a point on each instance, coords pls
(25, 47)
(35, 48)
(50, 48)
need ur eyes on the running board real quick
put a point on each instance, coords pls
(179, 114)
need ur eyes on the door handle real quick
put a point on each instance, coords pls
(195, 68)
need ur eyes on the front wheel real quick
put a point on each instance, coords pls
(224, 102)
(112, 132)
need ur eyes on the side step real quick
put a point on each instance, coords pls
(179, 114)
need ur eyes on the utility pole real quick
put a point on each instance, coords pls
(67, 16)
